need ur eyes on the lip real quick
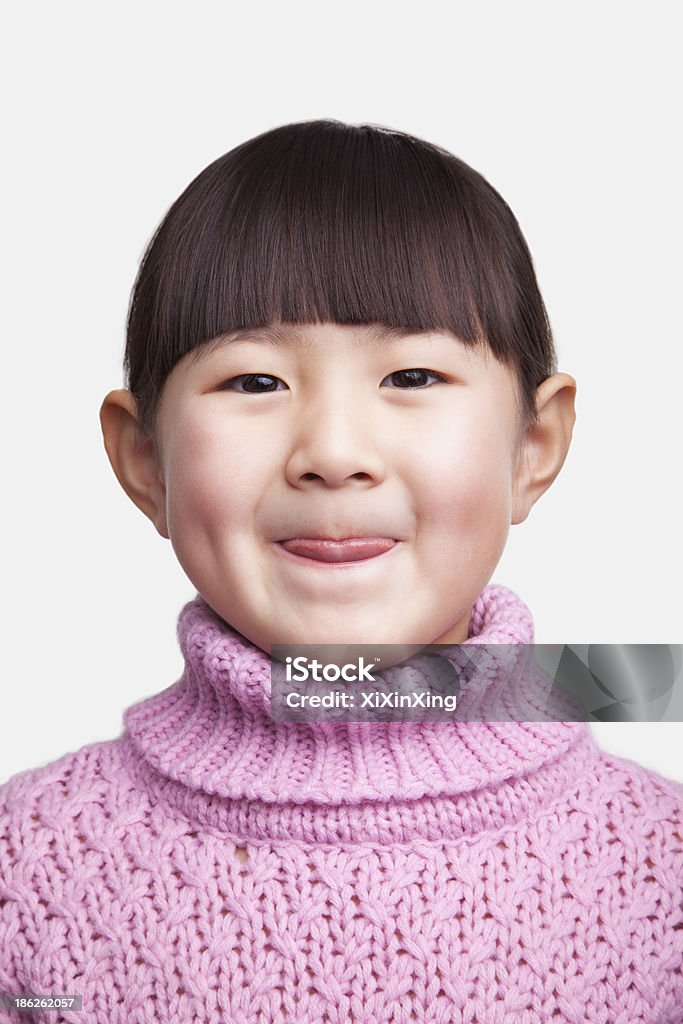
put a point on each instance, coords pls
(336, 552)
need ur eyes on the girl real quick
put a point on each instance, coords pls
(341, 393)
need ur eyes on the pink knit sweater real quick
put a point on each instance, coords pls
(212, 864)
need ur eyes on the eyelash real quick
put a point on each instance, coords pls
(254, 376)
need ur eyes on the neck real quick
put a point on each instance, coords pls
(210, 745)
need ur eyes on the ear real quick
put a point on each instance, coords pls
(134, 461)
(544, 445)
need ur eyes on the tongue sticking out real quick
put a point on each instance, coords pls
(351, 550)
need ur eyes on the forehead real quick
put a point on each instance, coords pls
(307, 337)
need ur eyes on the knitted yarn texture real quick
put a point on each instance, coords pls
(214, 864)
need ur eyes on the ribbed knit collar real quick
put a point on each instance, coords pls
(210, 745)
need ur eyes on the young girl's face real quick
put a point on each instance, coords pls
(334, 434)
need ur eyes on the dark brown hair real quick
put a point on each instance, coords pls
(322, 221)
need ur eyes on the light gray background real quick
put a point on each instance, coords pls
(573, 114)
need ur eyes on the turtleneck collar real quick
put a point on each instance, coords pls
(210, 745)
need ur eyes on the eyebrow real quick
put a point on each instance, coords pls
(286, 336)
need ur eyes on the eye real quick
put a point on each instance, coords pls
(415, 378)
(253, 383)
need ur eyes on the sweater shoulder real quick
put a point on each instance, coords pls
(642, 810)
(649, 790)
(53, 796)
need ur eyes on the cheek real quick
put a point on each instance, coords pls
(211, 482)
(464, 483)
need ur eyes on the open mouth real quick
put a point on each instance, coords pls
(336, 552)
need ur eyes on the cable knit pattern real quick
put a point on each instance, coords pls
(212, 864)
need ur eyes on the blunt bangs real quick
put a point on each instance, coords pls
(326, 222)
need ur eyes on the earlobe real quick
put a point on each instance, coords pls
(545, 444)
(134, 461)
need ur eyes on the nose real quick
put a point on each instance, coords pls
(335, 443)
